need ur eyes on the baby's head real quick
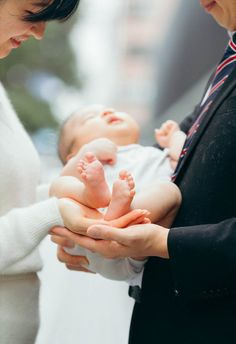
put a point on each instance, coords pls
(94, 122)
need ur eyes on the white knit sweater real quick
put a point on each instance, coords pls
(23, 223)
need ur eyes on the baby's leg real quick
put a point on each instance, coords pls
(95, 192)
(67, 187)
(122, 196)
(162, 199)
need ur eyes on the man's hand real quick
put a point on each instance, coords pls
(134, 241)
(111, 242)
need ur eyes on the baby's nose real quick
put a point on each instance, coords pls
(108, 112)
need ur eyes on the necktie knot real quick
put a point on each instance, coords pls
(231, 48)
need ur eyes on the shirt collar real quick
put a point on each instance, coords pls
(231, 33)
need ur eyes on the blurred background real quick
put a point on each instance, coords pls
(149, 58)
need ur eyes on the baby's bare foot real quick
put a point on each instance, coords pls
(122, 195)
(96, 193)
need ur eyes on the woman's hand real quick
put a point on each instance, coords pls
(73, 216)
(76, 263)
(72, 262)
(77, 218)
(111, 242)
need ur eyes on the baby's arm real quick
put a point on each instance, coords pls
(170, 136)
(175, 147)
(103, 149)
(164, 133)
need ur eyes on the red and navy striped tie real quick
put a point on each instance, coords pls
(223, 70)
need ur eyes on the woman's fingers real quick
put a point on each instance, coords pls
(76, 261)
(140, 221)
(59, 232)
(78, 268)
(134, 216)
(62, 241)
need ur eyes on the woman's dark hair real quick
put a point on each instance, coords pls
(55, 10)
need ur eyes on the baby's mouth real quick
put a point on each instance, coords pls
(112, 119)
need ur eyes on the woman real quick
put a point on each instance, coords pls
(23, 222)
(189, 283)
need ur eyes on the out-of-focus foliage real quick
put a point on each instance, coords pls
(52, 56)
(34, 113)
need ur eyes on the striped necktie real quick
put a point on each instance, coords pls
(223, 70)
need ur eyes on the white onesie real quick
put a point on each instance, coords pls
(146, 165)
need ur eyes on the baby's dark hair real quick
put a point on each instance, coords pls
(53, 10)
(61, 149)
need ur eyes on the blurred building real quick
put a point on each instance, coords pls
(143, 28)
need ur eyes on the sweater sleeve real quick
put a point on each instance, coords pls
(22, 229)
(42, 192)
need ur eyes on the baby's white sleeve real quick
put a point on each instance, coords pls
(137, 266)
(122, 269)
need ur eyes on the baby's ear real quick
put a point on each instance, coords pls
(69, 156)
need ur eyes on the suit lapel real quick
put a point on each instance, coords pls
(226, 89)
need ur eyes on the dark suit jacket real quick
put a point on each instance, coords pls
(191, 298)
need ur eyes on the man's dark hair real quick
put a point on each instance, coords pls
(54, 10)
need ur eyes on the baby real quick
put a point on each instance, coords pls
(98, 144)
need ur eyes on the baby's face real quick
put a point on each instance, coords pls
(95, 122)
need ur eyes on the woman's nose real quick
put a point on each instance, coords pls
(38, 30)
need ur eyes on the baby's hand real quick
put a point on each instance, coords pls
(165, 132)
(104, 149)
